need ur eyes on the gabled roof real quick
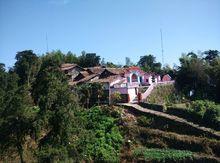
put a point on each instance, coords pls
(116, 71)
(83, 80)
(68, 66)
(96, 69)
(105, 80)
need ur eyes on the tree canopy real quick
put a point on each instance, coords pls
(148, 63)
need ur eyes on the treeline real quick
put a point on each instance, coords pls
(40, 117)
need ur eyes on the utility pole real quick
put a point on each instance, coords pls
(161, 41)
(47, 42)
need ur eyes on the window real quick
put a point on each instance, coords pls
(134, 78)
(128, 79)
(141, 79)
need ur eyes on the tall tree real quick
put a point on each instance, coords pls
(148, 63)
(210, 55)
(71, 58)
(89, 59)
(192, 78)
(57, 104)
(16, 116)
(26, 66)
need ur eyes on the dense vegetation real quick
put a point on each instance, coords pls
(42, 119)
(40, 114)
(161, 155)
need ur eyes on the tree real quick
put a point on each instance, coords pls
(192, 78)
(148, 63)
(210, 55)
(89, 59)
(168, 70)
(26, 66)
(90, 94)
(214, 76)
(71, 58)
(57, 104)
(54, 58)
(112, 65)
(16, 117)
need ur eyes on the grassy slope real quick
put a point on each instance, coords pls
(164, 94)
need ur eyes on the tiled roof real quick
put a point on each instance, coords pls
(105, 80)
(67, 66)
(96, 70)
(86, 79)
(116, 71)
(84, 73)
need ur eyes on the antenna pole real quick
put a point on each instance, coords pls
(161, 40)
(47, 42)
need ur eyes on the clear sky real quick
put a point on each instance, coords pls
(113, 29)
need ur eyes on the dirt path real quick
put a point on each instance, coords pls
(173, 118)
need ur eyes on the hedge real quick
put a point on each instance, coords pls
(155, 107)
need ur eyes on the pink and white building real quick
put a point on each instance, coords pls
(133, 84)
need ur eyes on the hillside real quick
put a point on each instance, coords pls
(164, 94)
(145, 133)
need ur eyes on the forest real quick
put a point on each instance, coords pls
(43, 120)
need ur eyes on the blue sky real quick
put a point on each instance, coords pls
(114, 29)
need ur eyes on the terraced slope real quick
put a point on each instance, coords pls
(202, 130)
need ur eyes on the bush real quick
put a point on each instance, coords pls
(100, 140)
(200, 106)
(155, 107)
(204, 113)
(161, 155)
(115, 97)
(209, 111)
(211, 117)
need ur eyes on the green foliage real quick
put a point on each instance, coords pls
(115, 97)
(26, 66)
(148, 63)
(89, 59)
(165, 94)
(197, 77)
(101, 139)
(56, 116)
(90, 94)
(200, 106)
(71, 58)
(161, 155)
(202, 112)
(192, 78)
(16, 122)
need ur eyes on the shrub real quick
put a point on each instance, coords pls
(200, 106)
(155, 107)
(211, 117)
(115, 97)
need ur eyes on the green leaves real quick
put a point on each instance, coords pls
(148, 63)
(162, 155)
(100, 140)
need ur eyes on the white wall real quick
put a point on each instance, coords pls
(132, 95)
